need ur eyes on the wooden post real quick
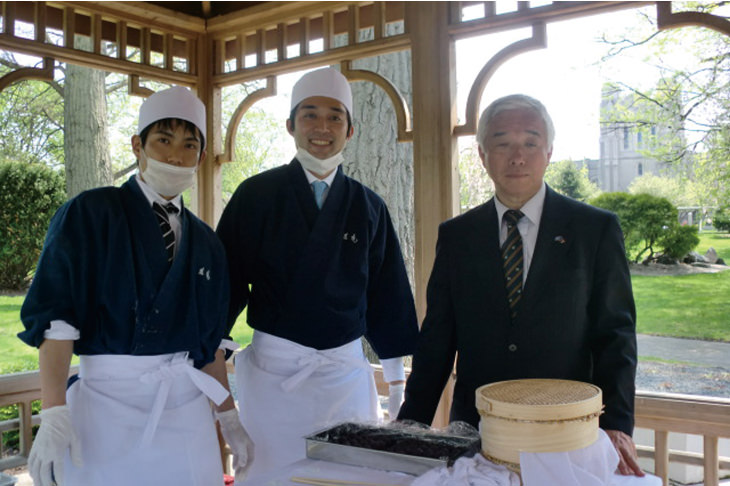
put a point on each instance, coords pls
(209, 175)
(435, 152)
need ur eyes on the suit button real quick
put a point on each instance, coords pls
(512, 347)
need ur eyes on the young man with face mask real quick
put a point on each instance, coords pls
(137, 286)
(318, 269)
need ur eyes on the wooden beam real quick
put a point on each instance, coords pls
(434, 145)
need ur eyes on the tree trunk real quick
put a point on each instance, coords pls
(86, 147)
(374, 156)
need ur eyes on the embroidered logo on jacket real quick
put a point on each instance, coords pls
(203, 272)
(350, 237)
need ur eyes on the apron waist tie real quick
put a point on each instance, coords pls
(310, 363)
(164, 375)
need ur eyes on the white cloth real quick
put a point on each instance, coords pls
(469, 471)
(590, 466)
(287, 391)
(144, 420)
(594, 465)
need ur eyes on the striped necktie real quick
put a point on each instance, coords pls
(513, 260)
(319, 187)
(163, 218)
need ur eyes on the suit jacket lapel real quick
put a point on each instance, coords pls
(487, 260)
(554, 239)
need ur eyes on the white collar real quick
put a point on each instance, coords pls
(311, 177)
(153, 197)
(532, 209)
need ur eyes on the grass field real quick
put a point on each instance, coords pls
(693, 306)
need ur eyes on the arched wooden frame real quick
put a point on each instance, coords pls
(44, 73)
(241, 109)
(402, 113)
(537, 41)
(666, 19)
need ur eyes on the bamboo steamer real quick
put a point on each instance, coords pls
(536, 415)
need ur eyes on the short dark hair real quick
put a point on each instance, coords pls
(293, 114)
(172, 124)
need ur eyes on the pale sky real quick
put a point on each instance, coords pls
(566, 76)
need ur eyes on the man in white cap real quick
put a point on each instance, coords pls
(137, 286)
(315, 257)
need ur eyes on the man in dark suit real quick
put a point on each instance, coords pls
(570, 313)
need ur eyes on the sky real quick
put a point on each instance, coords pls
(566, 76)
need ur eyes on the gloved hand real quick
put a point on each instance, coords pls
(47, 456)
(395, 399)
(238, 440)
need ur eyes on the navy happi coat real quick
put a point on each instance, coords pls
(320, 278)
(104, 271)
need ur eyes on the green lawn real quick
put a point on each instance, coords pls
(693, 306)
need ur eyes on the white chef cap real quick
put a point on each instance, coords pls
(175, 102)
(323, 82)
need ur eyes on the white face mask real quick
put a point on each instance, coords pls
(318, 166)
(165, 179)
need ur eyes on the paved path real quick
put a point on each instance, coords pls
(705, 353)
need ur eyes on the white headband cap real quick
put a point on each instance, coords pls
(175, 102)
(326, 82)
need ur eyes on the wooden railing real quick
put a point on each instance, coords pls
(661, 412)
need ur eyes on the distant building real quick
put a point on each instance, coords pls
(624, 145)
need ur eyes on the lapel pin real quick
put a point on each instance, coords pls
(560, 239)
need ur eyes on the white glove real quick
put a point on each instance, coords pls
(238, 440)
(48, 454)
(395, 399)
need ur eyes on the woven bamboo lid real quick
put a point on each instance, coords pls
(539, 399)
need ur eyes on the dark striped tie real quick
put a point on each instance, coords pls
(164, 220)
(512, 260)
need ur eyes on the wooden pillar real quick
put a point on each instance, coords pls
(435, 148)
(209, 204)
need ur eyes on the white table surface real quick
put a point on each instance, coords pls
(312, 468)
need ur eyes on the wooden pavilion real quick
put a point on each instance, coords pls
(208, 46)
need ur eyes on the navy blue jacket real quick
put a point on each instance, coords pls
(320, 278)
(104, 270)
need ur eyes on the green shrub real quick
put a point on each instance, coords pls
(650, 226)
(29, 195)
(679, 240)
(721, 220)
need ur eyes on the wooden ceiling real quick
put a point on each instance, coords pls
(205, 10)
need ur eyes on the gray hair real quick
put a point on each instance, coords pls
(512, 102)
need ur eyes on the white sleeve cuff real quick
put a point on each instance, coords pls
(393, 369)
(62, 331)
(228, 345)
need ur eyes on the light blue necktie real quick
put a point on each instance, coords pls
(319, 188)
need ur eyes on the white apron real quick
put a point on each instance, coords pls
(286, 391)
(144, 421)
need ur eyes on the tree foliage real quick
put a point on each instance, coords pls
(475, 186)
(29, 195)
(258, 141)
(689, 102)
(37, 135)
(569, 180)
(650, 226)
